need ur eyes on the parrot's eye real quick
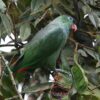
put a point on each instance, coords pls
(70, 18)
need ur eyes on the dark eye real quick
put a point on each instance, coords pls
(70, 18)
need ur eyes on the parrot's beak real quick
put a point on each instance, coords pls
(74, 27)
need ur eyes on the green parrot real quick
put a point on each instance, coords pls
(44, 49)
(41, 52)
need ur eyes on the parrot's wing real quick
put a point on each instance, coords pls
(47, 42)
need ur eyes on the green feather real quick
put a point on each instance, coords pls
(44, 48)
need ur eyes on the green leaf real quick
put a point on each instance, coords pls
(94, 94)
(80, 80)
(86, 9)
(3, 33)
(98, 70)
(98, 64)
(2, 6)
(39, 5)
(92, 15)
(25, 31)
(82, 52)
(6, 87)
(94, 19)
(36, 4)
(23, 4)
(92, 53)
(88, 96)
(7, 22)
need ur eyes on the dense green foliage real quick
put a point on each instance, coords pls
(78, 76)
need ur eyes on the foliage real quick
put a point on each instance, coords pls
(78, 76)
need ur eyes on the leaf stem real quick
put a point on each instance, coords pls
(12, 78)
(4, 45)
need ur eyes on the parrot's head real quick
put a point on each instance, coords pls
(68, 23)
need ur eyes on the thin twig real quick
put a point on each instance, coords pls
(11, 38)
(11, 45)
(4, 45)
(12, 78)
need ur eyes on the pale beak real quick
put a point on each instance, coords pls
(74, 27)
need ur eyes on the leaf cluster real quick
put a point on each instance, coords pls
(79, 72)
